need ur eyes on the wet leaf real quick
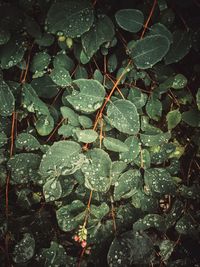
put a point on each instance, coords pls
(123, 115)
(130, 20)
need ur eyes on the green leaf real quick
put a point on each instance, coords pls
(132, 143)
(150, 221)
(71, 18)
(45, 40)
(185, 225)
(149, 51)
(112, 63)
(85, 121)
(123, 115)
(159, 154)
(7, 100)
(179, 81)
(31, 101)
(191, 117)
(130, 20)
(99, 211)
(130, 249)
(69, 217)
(32, 27)
(27, 141)
(55, 255)
(90, 96)
(190, 192)
(11, 53)
(127, 184)
(52, 190)
(81, 73)
(143, 159)
(40, 62)
(66, 130)
(4, 36)
(62, 158)
(137, 97)
(63, 60)
(24, 167)
(154, 139)
(86, 136)
(158, 180)
(70, 115)
(24, 250)
(101, 31)
(61, 76)
(3, 139)
(173, 118)
(198, 98)
(115, 145)
(160, 29)
(166, 248)
(98, 76)
(154, 108)
(144, 201)
(44, 125)
(180, 47)
(116, 169)
(97, 170)
(45, 87)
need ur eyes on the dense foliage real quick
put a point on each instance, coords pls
(99, 133)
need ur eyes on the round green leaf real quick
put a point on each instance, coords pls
(132, 143)
(112, 63)
(45, 87)
(3, 139)
(32, 102)
(154, 108)
(61, 76)
(191, 117)
(63, 60)
(7, 100)
(71, 18)
(115, 145)
(69, 217)
(180, 47)
(127, 184)
(24, 167)
(179, 81)
(154, 139)
(123, 115)
(4, 36)
(159, 180)
(85, 121)
(44, 125)
(149, 51)
(130, 249)
(40, 62)
(27, 141)
(11, 53)
(86, 136)
(90, 96)
(52, 190)
(97, 170)
(130, 20)
(62, 158)
(70, 115)
(198, 98)
(24, 250)
(101, 31)
(160, 29)
(173, 118)
(55, 255)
